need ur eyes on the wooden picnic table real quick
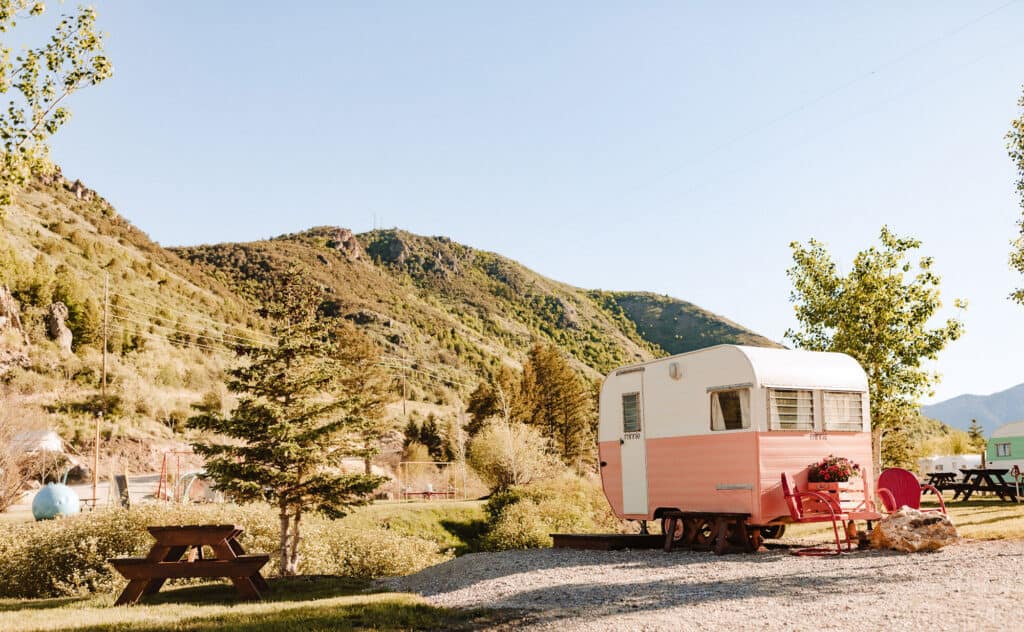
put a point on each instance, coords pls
(985, 480)
(941, 481)
(165, 561)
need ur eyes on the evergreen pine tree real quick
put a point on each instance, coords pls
(977, 436)
(292, 426)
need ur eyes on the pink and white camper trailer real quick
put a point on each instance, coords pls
(713, 430)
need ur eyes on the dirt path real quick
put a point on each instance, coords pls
(974, 585)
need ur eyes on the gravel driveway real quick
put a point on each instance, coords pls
(974, 585)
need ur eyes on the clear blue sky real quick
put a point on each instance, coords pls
(670, 147)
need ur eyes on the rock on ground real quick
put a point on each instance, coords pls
(910, 530)
(965, 586)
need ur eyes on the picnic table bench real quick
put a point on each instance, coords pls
(942, 481)
(985, 480)
(165, 561)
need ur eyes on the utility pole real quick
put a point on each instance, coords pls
(405, 392)
(103, 396)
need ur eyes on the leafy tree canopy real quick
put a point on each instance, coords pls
(36, 83)
(1015, 146)
(878, 313)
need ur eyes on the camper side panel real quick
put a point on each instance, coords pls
(610, 455)
(711, 472)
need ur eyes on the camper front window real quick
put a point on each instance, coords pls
(631, 412)
(1002, 449)
(791, 410)
(730, 410)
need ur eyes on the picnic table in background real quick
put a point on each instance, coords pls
(942, 481)
(986, 480)
(165, 561)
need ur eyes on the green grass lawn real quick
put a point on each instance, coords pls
(457, 525)
(305, 603)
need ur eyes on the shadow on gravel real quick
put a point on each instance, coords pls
(594, 601)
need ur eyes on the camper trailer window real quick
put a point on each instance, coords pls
(791, 410)
(1002, 449)
(631, 412)
(844, 412)
(730, 410)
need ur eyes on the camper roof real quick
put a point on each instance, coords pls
(789, 367)
(1016, 429)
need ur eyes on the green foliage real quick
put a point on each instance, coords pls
(875, 314)
(1015, 147)
(294, 422)
(976, 437)
(524, 517)
(504, 454)
(41, 78)
(68, 557)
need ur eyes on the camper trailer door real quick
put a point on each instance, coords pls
(634, 450)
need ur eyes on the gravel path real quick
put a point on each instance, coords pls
(974, 585)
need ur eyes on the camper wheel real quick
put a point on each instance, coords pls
(680, 529)
(773, 532)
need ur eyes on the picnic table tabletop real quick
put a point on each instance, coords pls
(985, 480)
(167, 560)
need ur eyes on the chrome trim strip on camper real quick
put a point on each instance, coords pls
(805, 387)
(635, 369)
(737, 486)
(729, 387)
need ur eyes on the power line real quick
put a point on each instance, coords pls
(195, 329)
(821, 97)
(189, 315)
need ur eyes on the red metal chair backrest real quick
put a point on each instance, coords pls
(904, 487)
(788, 489)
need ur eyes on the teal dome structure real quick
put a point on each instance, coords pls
(56, 499)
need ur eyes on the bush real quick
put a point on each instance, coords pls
(68, 557)
(513, 454)
(524, 516)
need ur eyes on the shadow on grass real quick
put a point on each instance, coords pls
(468, 533)
(282, 589)
(14, 605)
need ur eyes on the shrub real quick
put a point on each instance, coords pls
(504, 455)
(522, 517)
(68, 557)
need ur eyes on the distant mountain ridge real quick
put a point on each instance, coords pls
(991, 411)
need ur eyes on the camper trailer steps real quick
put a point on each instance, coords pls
(606, 541)
(703, 531)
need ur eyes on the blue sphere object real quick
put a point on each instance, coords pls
(54, 500)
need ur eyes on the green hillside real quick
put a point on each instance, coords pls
(445, 314)
(678, 326)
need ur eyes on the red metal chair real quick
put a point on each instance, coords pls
(898, 488)
(799, 513)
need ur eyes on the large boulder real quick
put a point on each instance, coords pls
(910, 530)
(56, 319)
(14, 342)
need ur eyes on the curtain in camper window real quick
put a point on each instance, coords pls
(844, 411)
(730, 410)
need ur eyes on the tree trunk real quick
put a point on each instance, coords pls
(285, 524)
(293, 563)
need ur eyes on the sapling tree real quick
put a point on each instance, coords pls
(294, 423)
(1015, 146)
(879, 313)
(36, 83)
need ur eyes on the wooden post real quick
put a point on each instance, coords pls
(404, 389)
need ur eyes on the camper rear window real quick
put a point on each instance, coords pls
(631, 412)
(791, 410)
(730, 410)
(844, 411)
(1002, 449)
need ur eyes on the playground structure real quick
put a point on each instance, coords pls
(176, 486)
(431, 480)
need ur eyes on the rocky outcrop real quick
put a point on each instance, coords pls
(345, 242)
(56, 326)
(13, 338)
(910, 530)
